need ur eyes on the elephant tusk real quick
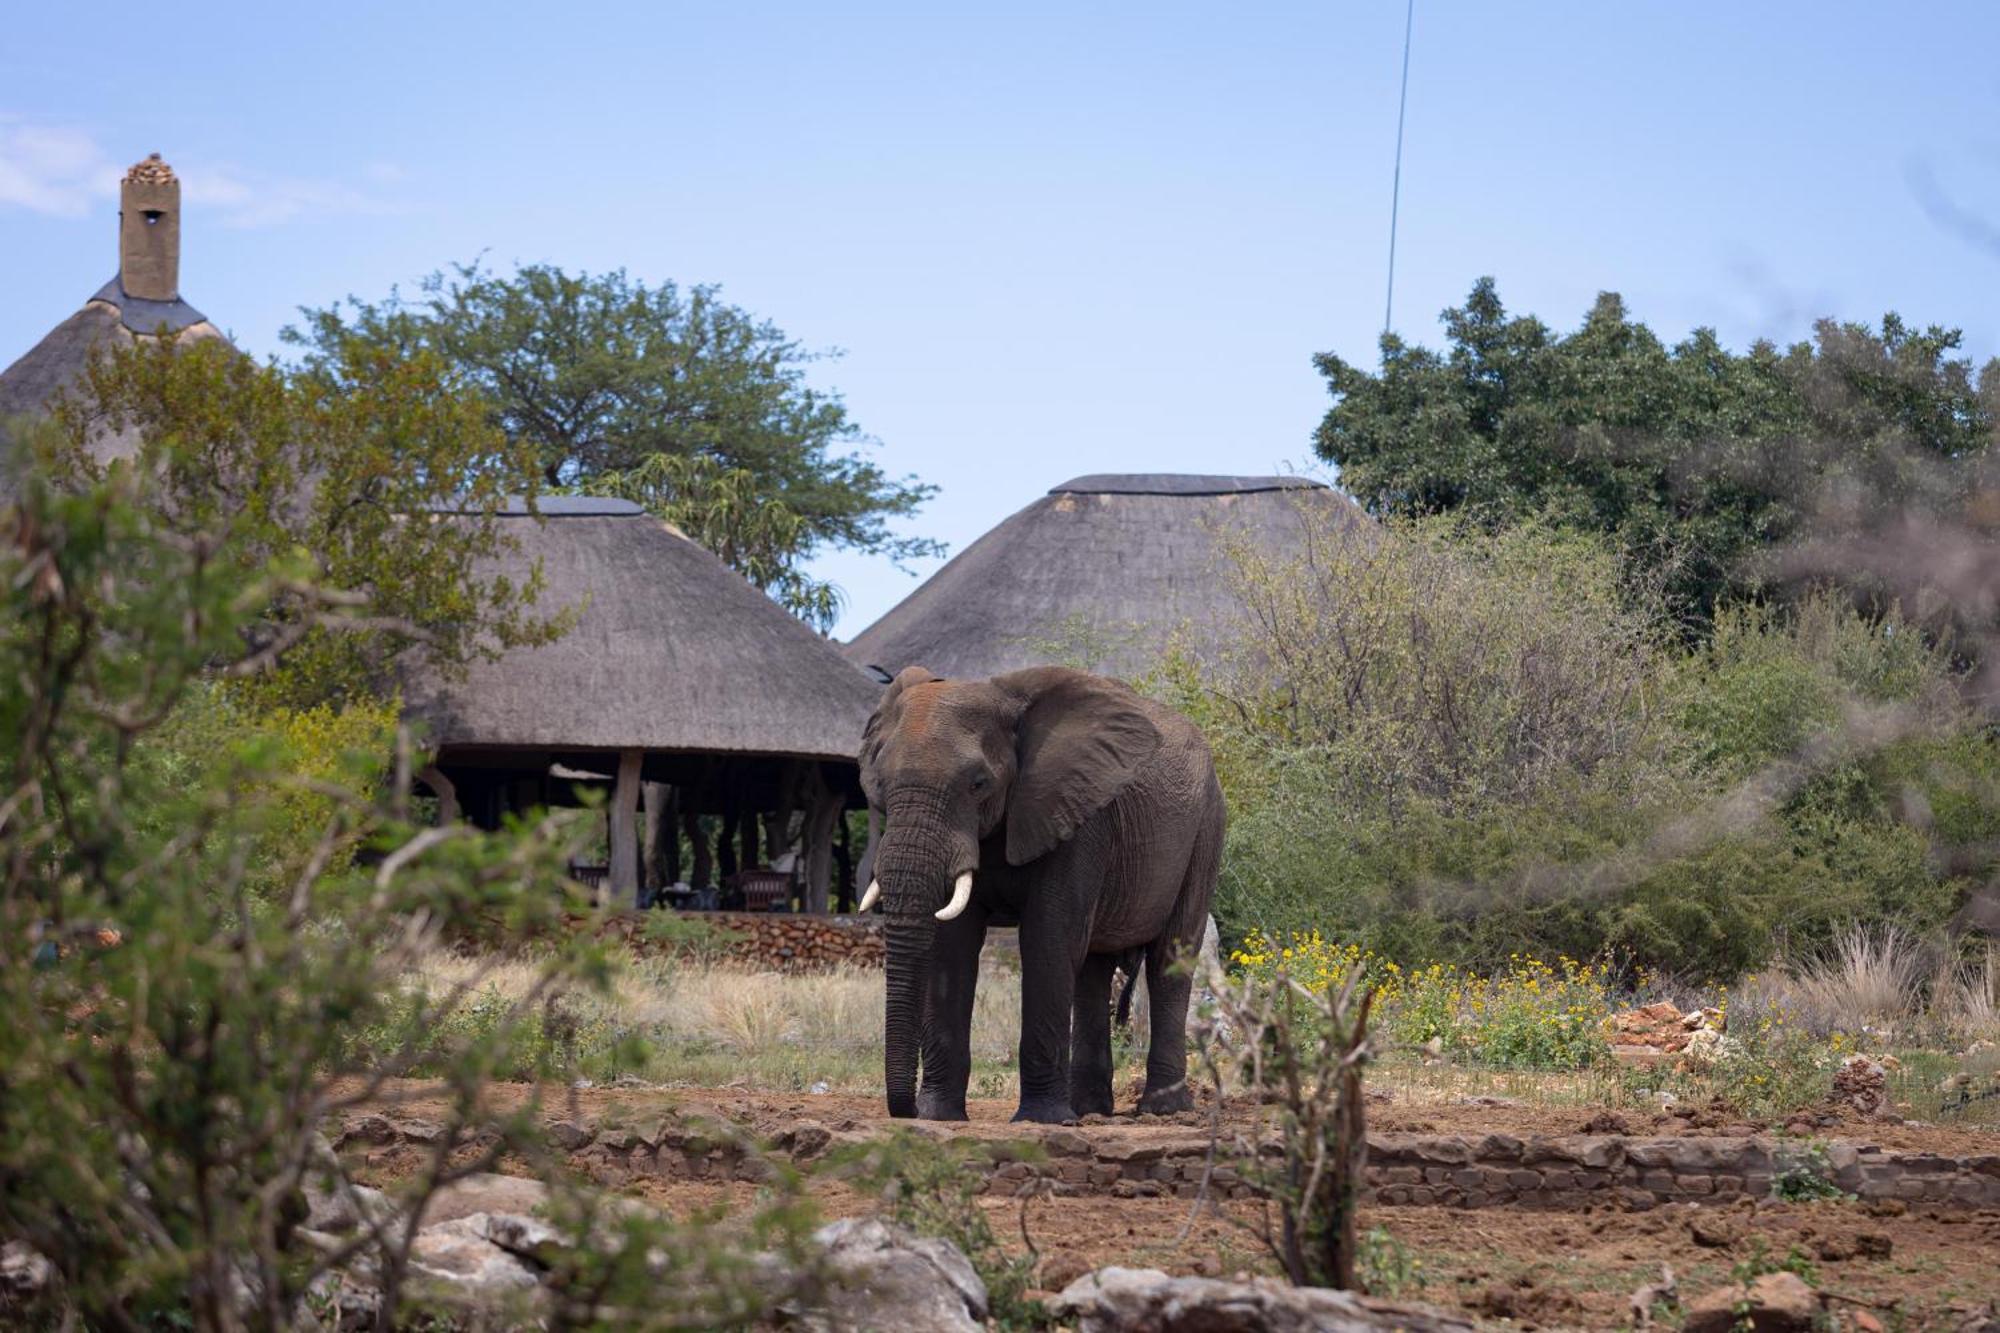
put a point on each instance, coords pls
(961, 894)
(868, 898)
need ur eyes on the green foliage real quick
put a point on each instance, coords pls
(1806, 1176)
(1297, 1052)
(933, 1189)
(731, 512)
(313, 476)
(1444, 744)
(1690, 458)
(1386, 1267)
(666, 395)
(202, 903)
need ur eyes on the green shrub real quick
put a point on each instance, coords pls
(1443, 744)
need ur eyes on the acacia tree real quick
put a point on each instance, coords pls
(670, 395)
(1695, 459)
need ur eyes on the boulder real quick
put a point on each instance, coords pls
(459, 1255)
(1113, 1300)
(881, 1276)
(1863, 1084)
(1772, 1303)
(486, 1192)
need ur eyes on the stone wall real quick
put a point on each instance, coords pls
(788, 942)
(1451, 1170)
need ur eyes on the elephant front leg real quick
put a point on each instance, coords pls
(947, 1039)
(1090, 1044)
(1051, 958)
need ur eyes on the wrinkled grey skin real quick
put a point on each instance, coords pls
(1091, 818)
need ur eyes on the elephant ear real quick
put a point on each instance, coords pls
(1079, 741)
(883, 724)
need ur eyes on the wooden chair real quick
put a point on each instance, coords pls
(763, 890)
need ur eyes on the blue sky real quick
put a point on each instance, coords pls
(1051, 240)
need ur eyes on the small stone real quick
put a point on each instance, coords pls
(1772, 1303)
(1713, 1232)
(569, 1136)
(1059, 1270)
(1873, 1245)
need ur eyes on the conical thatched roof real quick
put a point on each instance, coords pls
(149, 260)
(673, 652)
(1101, 572)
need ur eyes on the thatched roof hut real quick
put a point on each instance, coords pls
(1102, 572)
(677, 672)
(672, 653)
(142, 300)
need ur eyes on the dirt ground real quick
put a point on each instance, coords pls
(1912, 1268)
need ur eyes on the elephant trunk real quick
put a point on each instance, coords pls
(908, 967)
(923, 866)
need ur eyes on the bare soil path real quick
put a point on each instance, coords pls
(1901, 1265)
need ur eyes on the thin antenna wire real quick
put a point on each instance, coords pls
(1396, 191)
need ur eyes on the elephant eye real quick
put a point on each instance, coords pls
(979, 782)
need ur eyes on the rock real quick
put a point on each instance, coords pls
(1067, 1143)
(1059, 1270)
(487, 1192)
(1707, 1047)
(523, 1237)
(368, 1129)
(459, 1255)
(24, 1273)
(881, 1276)
(340, 1206)
(1713, 1232)
(1773, 1303)
(809, 1139)
(1115, 1299)
(1605, 1122)
(569, 1136)
(1863, 1084)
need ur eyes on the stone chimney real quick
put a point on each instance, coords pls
(149, 232)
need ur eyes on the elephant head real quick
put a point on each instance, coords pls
(945, 764)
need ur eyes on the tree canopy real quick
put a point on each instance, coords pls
(329, 472)
(1694, 459)
(668, 395)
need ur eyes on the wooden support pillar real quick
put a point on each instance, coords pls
(725, 842)
(663, 837)
(843, 862)
(704, 861)
(749, 829)
(624, 831)
(794, 790)
(823, 807)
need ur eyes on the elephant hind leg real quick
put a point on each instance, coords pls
(1170, 965)
(1090, 1038)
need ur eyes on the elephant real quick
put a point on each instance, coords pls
(1064, 803)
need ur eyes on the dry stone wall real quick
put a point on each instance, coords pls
(1448, 1170)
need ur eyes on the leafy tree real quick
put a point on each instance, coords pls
(670, 395)
(335, 468)
(211, 927)
(1693, 458)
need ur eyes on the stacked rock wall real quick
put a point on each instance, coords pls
(1450, 1170)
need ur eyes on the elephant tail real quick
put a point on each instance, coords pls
(1130, 963)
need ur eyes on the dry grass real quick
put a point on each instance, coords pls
(711, 1024)
(1879, 983)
